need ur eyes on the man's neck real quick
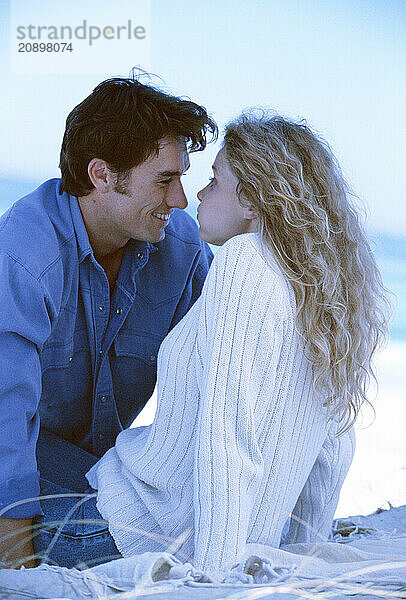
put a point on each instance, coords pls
(103, 245)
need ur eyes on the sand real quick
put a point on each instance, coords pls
(378, 473)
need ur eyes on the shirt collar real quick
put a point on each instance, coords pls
(80, 229)
(137, 245)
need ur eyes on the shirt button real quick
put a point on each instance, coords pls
(100, 436)
(101, 307)
(119, 311)
(140, 255)
(70, 358)
(152, 358)
(101, 353)
(103, 399)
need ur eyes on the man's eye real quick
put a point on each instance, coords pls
(165, 181)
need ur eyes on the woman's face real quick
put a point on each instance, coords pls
(220, 213)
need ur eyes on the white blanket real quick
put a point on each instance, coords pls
(366, 553)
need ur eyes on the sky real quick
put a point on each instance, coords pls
(339, 64)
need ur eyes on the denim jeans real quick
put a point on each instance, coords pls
(71, 532)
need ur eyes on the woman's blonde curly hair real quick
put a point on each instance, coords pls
(291, 179)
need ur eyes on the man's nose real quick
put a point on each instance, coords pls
(177, 197)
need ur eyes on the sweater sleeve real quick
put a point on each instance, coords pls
(317, 503)
(238, 328)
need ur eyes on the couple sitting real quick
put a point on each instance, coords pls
(263, 358)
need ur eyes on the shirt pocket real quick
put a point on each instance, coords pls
(148, 318)
(56, 360)
(66, 398)
(136, 345)
(133, 365)
(56, 355)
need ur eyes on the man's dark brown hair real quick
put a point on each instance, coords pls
(122, 122)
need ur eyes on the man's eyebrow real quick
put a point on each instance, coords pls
(171, 173)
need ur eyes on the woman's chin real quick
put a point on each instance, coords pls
(202, 235)
(212, 239)
(205, 236)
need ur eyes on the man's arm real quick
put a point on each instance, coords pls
(24, 325)
(16, 547)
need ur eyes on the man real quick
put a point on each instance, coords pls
(95, 269)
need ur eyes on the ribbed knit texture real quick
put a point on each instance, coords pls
(239, 440)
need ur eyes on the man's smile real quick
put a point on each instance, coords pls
(163, 217)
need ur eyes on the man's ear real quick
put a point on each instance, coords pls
(100, 175)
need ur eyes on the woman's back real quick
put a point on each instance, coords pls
(239, 439)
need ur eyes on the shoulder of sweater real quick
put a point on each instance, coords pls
(249, 245)
(247, 249)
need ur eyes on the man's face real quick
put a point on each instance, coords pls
(141, 208)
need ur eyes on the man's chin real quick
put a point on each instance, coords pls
(158, 237)
(151, 237)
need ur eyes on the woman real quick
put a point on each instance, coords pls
(260, 383)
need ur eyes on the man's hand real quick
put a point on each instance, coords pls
(16, 547)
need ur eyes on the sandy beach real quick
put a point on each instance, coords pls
(378, 473)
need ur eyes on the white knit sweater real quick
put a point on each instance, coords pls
(239, 439)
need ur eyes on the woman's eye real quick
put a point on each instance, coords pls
(212, 180)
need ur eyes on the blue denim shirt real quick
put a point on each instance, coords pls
(82, 364)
